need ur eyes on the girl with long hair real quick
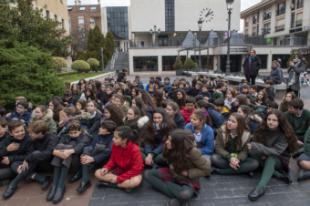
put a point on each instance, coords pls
(154, 134)
(173, 112)
(113, 113)
(231, 156)
(179, 181)
(289, 96)
(273, 145)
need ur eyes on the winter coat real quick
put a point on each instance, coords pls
(102, 143)
(294, 74)
(78, 143)
(251, 66)
(42, 148)
(20, 154)
(128, 160)
(179, 120)
(92, 124)
(221, 144)
(25, 117)
(199, 167)
(275, 145)
(205, 140)
(299, 124)
(186, 114)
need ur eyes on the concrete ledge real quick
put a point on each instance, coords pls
(105, 75)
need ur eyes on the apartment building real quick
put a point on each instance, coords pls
(56, 9)
(275, 27)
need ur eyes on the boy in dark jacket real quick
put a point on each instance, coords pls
(14, 150)
(66, 155)
(97, 153)
(5, 172)
(42, 145)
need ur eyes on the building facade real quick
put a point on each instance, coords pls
(82, 19)
(157, 30)
(115, 20)
(275, 27)
(56, 10)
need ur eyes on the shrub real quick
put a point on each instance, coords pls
(178, 63)
(190, 64)
(94, 64)
(80, 66)
(26, 71)
(59, 63)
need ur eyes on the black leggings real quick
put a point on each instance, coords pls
(169, 188)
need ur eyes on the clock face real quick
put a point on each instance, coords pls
(206, 15)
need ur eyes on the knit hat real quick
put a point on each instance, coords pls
(109, 125)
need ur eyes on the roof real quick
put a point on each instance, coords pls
(190, 41)
(258, 6)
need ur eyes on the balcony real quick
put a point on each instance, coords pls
(267, 16)
(280, 28)
(286, 42)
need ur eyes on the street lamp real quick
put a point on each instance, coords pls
(199, 27)
(229, 9)
(154, 31)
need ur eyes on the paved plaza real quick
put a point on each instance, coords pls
(216, 191)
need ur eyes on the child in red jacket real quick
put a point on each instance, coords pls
(188, 109)
(125, 166)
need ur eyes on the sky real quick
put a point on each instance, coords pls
(244, 3)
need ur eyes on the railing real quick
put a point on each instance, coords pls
(280, 28)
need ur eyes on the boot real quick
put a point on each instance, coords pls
(83, 187)
(52, 190)
(51, 193)
(10, 190)
(59, 194)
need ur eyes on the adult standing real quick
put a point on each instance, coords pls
(297, 66)
(251, 66)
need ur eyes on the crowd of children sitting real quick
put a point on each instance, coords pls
(170, 134)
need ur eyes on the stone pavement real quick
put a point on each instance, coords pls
(216, 191)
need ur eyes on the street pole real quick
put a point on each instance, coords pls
(102, 63)
(228, 41)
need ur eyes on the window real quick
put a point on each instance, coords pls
(81, 20)
(47, 14)
(254, 20)
(145, 63)
(92, 23)
(280, 28)
(93, 8)
(300, 4)
(169, 15)
(297, 4)
(267, 15)
(69, 8)
(281, 8)
(82, 8)
(62, 23)
(266, 29)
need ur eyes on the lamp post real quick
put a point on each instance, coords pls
(154, 31)
(199, 27)
(229, 10)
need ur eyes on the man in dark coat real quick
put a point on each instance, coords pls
(251, 66)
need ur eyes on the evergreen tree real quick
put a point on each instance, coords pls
(95, 42)
(26, 71)
(109, 47)
(23, 23)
